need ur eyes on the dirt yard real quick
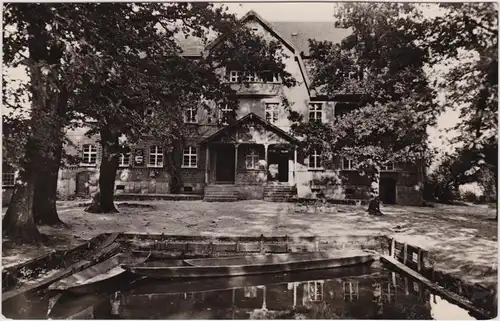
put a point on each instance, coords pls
(462, 239)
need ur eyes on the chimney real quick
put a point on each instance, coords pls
(294, 38)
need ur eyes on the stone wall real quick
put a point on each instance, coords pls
(128, 180)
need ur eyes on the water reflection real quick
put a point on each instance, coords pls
(359, 293)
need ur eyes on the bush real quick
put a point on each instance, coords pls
(470, 197)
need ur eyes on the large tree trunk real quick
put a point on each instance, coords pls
(45, 211)
(374, 204)
(103, 200)
(18, 223)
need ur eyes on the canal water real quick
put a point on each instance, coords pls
(348, 293)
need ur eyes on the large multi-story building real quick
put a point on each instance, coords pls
(253, 156)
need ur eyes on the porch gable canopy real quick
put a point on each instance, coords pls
(251, 129)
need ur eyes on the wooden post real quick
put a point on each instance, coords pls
(264, 298)
(419, 260)
(295, 165)
(211, 248)
(261, 243)
(207, 166)
(235, 162)
(294, 294)
(393, 248)
(405, 253)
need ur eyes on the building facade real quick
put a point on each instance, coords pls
(255, 154)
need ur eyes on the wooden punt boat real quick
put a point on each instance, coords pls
(248, 265)
(148, 286)
(98, 276)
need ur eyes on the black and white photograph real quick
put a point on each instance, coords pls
(250, 160)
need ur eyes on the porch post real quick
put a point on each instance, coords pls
(265, 154)
(207, 166)
(235, 161)
(295, 165)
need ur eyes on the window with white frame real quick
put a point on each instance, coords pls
(351, 290)
(316, 112)
(235, 76)
(189, 157)
(252, 159)
(155, 156)
(251, 77)
(89, 154)
(388, 167)
(272, 110)
(315, 290)
(315, 161)
(225, 113)
(270, 77)
(124, 160)
(347, 164)
(8, 178)
(191, 115)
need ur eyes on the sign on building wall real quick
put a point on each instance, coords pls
(139, 157)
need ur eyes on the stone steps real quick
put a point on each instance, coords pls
(279, 193)
(220, 193)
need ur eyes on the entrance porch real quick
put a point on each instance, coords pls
(248, 156)
(250, 164)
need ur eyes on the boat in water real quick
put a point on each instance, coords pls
(249, 265)
(99, 276)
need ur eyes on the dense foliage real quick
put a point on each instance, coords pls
(395, 102)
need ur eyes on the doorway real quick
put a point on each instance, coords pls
(388, 190)
(279, 159)
(82, 186)
(224, 165)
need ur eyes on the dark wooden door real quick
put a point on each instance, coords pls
(224, 167)
(82, 187)
(388, 190)
(283, 167)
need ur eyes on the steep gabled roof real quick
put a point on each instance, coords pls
(255, 118)
(299, 33)
(254, 15)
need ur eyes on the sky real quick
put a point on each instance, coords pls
(276, 11)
